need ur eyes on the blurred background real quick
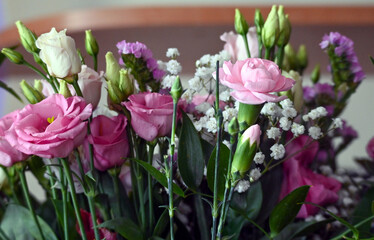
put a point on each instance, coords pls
(194, 27)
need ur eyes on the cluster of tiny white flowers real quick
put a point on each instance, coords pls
(284, 123)
(195, 84)
(254, 174)
(224, 96)
(172, 53)
(288, 109)
(315, 132)
(315, 114)
(174, 67)
(337, 123)
(277, 151)
(168, 81)
(271, 110)
(242, 186)
(273, 133)
(211, 125)
(297, 129)
(259, 158)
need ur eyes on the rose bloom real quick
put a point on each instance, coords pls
(88, 227)
(58, 52)
(323, 190)
(254, 80)
(151, 114)
(8, 155)
(51, 128)
(370, 148)
(109, 140)
(234, 44)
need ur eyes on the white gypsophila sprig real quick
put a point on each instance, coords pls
(289, 112)
(195, 84)
(259, 158)
(174, 67)
(200, 123)
(161, 65)
(211, 125)
(316, 113)
(168, 81)
(273, 133)
(172, 53)
(242, 186)
(284, 123)
(277, 151)
(315, 132)
(305, 118)
(337, 123)
(203, 107)
(188, 95)
(224, 96)
(297, 129)
(270, 109)
(286, 103)
(210, 112)
(254, 174)
(229, 113)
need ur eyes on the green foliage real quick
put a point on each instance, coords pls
(125, 227)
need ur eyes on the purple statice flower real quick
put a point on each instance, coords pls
(344, 48)
(347, 131)
(311, 93)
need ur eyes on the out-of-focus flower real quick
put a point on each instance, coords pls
(88, 228)
(370, 148)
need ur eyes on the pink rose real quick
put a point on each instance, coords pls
(234, 44)
(88, 227)
(370, 148)
(109, 140)
(90, 83)
(254, 79)
(151, 114)
(297, 173)
(51, 128)
(8, 155)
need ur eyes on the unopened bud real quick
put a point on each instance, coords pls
(302, 57)
(64, 89)
(248, 114)
(13, 55)
(112, 68)
(92, 47)
(27, 37)
(176, 89)
(284, 27)
(259, 21)
(233, 127)
(270, 32)
(38, 85)
(126, 84)
(115, 95)
(290, 56)
(315, 75)
(246, 150)
(241, 25)
(32, 95)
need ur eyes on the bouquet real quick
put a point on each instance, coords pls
(241, 151)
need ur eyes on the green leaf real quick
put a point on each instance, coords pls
(162, 223)
(18, 224)
(286, 210)
(125, 227)
(249, 202)
(361, 211)
(224, 155)
(58, 206)
(300, 229)
(190, 155)
(159, 177)
(10, 90)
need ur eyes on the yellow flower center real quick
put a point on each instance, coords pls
(50, 120)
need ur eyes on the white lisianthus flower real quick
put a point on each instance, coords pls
(58, 52)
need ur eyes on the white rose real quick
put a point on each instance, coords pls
(58, 52)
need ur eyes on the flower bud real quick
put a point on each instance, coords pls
(290, 57)
(13, 55)
(270, 32)
(92, 47)
(302, 57)
(27, 37)
(176, 89)
(315, 75)
(259, 21)
(246, 150)
(284, 28)
(248, 114)
(38, 85)
(233, 127)
(126, 84)
(64, 89)
(32, 95)
(241, 25)
(298, 93)
(3, 178)
(115, 95)
(112, 68)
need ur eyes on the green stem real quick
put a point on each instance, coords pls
(64, 194)
(95, 62)
(12, 188)
(52, 183)
(114, 174)
(150, 188)
(267, 53)
(76, 86)
(28, 200)
(42, 75)
(260, 46)
(245, 39)
(73, 194)
(280, 56)
(91, 204)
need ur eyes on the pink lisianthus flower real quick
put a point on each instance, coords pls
(109, 140)
(151, 114)
(323, 190)
(51, 128)
(370, 148)
(88, 228)
(254, 80)
(234, 44)
(8, 155)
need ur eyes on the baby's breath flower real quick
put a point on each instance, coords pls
(255, 174)
(286, 103)
(195, 84)
(270, 109)
(277, 151)
(242, 186)
(297, 129)
(211, 125)
(322, 111)
(305, 118)
(172, 53)
(285, 124)
(210, 112)
(259, 158)
(337, 123)
(273, 133)
(315, 132)
(224, 96)
(289, 112)
(168, 81)
(188, 95)
(229, 113)
(174, 67)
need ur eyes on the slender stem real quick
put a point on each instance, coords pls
(91, 204)
(95, 62)
(150, 189)
(116, 192)
(217, 86)
(52, 183)
(245, 39)
(64, 194)
(74, 197)
(267, 53)
(76, 86)
(259, 46)
(12, 188)
(42, 75)
(28, 200)
(280, 56)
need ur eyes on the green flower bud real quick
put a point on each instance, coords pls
(246, 150)
(64, 89)
(112, 68)
(290, 57)
(315, 75)
(233, 127)
(248, 114)
(32, 95)
(284, 27)
(259, 21)
(126, 85)
(92, 47)
(27, 37)
(270, 32)
(176, 90)
(13, 55)
(302, 57)
(115, 95)
(241, 25)
(38, 85)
